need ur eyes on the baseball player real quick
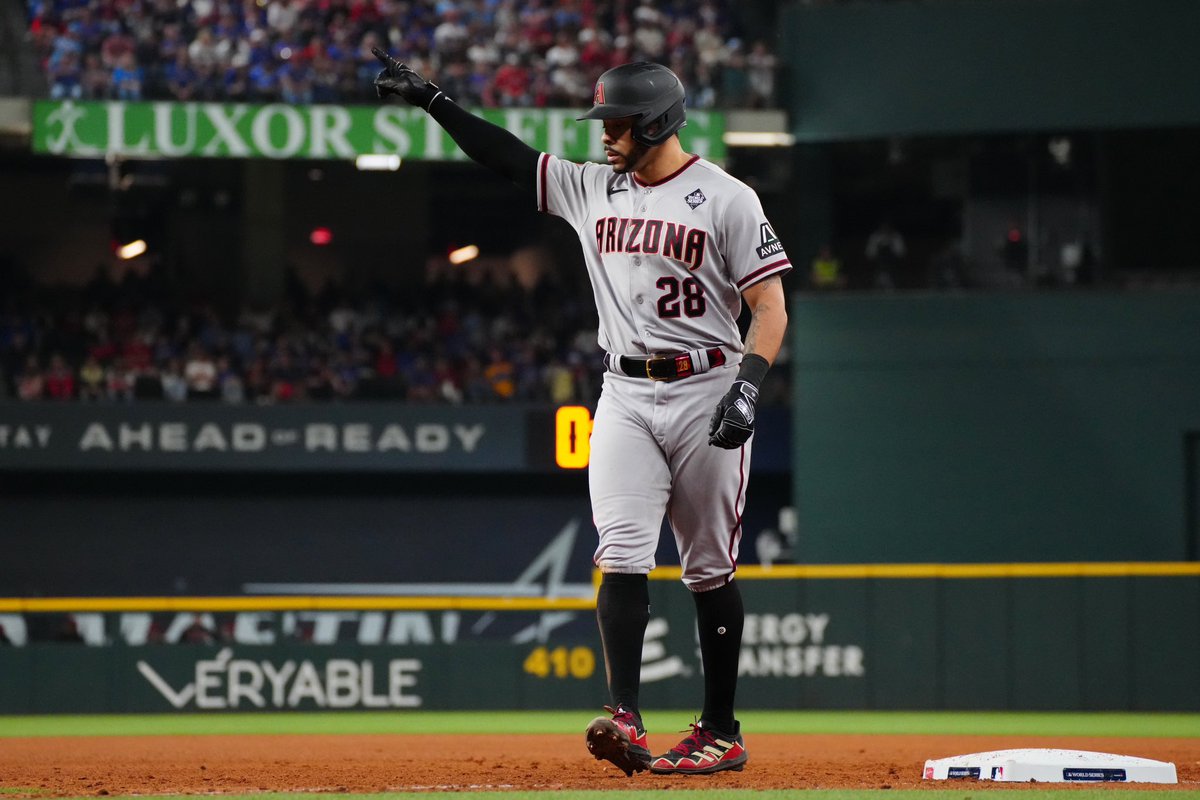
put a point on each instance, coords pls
(673, 247)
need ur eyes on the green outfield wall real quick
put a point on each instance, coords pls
(1066, 637)
(1019, 427)
(888, 69)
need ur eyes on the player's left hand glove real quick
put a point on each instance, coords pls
(397, 78)
(732, 423)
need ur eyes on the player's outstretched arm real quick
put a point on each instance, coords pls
(483, 142)
(732, 422)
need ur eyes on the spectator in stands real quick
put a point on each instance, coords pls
(60, 380)
(264, 83)
(229, 382)
(170, 43)
(500, 375)
(127, 78)
(295, 83)
(66, 78)
(181, 77)
(761, 66)
(200, 373)
(91, 379)
(258, 383)
(174, 385)
(119, 381)
(31, 383)
(826, 270)
(203, 49)
(735, 82)
(116, 46)
(67, 43)
(885, 253)
(96, 80)
(559, 383)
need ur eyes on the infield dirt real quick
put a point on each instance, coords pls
(121, 765)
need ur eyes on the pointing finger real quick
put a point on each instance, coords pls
(387, 60)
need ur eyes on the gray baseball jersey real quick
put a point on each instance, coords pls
(668, 263)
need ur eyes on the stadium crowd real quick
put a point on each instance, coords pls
(450, 341)
(491, 53)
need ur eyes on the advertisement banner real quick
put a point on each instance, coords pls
(70, 679)
(210, 437)
(366, 437)
(279, 131)
(909, 643)
(793, 656)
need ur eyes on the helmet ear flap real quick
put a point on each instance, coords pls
(656, 131)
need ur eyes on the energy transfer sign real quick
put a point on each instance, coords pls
(279, 131)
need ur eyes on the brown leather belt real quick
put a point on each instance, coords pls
(666, 366)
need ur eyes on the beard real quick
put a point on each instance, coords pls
(633, 160)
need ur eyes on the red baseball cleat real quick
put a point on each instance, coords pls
(621, 740)
(705, 750)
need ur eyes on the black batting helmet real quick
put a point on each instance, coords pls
(650, 93)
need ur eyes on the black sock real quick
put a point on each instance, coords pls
(622, 612)
(719, 619)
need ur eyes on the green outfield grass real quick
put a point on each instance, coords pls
(571, 722)
(1000, 723)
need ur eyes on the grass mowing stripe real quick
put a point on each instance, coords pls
(957, 791)
(573, 722)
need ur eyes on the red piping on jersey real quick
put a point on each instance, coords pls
(691, 161)
(544, 165)
(736, 533)
(753, 276)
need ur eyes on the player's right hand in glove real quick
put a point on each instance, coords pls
(396, 78)
(732, 423)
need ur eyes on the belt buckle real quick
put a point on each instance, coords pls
(651, 360)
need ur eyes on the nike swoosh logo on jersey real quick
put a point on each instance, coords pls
(613, 191)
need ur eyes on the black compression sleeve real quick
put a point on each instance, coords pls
(487, 144)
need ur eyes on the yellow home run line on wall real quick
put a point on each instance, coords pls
(1081, 569)
(1065, 569)
(294, 603)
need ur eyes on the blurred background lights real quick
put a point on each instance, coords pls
(378, 161)
(131, 249)
(462, 255)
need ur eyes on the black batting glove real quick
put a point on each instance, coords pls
(732, 423)
(396, 78)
